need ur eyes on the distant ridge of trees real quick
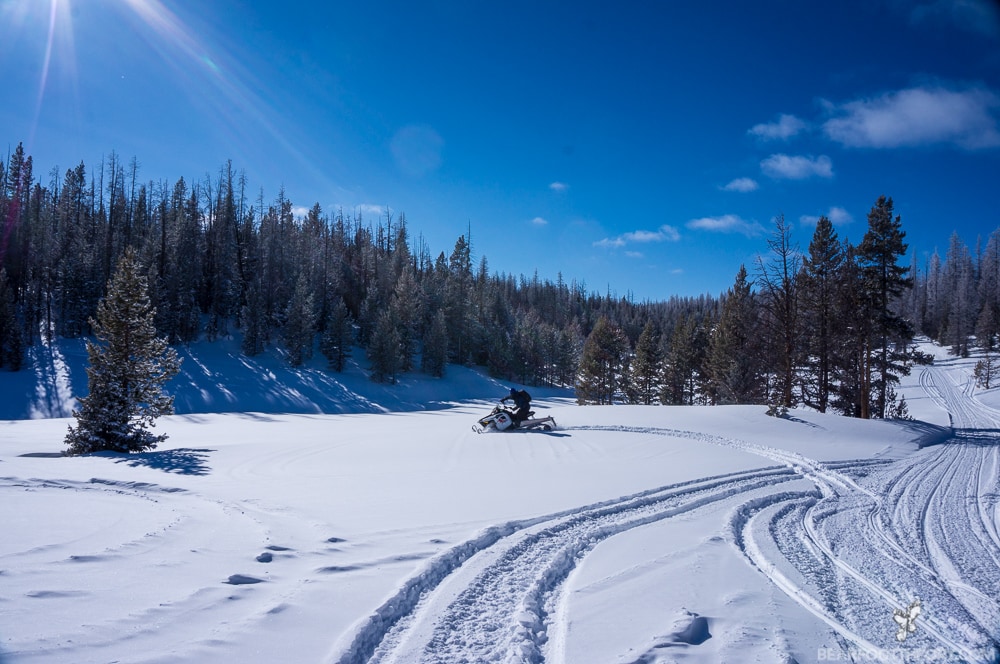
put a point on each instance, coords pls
(830, 327)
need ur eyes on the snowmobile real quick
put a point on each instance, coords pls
(502, 419)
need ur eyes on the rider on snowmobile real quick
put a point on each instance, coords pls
(522, 400)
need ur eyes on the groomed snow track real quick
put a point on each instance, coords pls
(871, 536)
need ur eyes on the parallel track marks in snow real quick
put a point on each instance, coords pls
(503, 606)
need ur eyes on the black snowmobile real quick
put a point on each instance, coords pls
(502, 419)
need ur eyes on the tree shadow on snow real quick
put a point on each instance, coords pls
(926, 434)
(183, 461)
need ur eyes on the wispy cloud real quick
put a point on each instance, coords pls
(918, 116)
(742, 185)
(634, 254)
(559, 187)
(539, 221)
(838, 215)
(665, 233)
(727, 223)
(785, 127)
(795, 167)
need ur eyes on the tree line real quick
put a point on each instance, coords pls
(831, 328)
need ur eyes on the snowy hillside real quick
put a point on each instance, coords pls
(631, 534)
(217, 378)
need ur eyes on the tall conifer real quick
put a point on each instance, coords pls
(129, 365)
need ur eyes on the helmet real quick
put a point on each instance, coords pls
(513, 391)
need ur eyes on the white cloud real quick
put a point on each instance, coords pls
(788, 167)
(371, 210)
(837, 215)
(539, 221)
(727, 223)
(918, 116)
(634, 254)
(665, 233)
(742, 185)
(559, 187)
(786, 127)
(300, 211)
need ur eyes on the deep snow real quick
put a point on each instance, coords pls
(272, 532)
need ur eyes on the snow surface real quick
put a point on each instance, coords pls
(381, 531)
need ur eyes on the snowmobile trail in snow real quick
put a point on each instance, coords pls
(489, 599)
(922, 527)
(868, 537)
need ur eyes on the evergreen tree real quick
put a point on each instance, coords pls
(988, 320)
(434, 360)
(986, 371)
(338, 337)
(129, 365)
(821, 279)
(11, 344)
(733, 363)
(408, 303)
(883, 281)
(384, 350)
(684, 356)
(647, 366)
(300, 324)
(604, 365)
(960, 285)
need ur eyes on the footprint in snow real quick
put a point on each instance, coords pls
(242, 580)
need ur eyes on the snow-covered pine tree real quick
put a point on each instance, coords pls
(129, 365)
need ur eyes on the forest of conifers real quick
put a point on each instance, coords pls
(830, 325)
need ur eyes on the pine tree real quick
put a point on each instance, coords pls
(384, 350)
(129, 365)
(986, 371)
(732, 363)
(604, 365)
(300, 325)
(821, 279)
(648, 366)
(883, 281)
(434, 360)
(11, 344)
(338, 337)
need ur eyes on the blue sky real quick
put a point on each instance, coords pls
(642, 148)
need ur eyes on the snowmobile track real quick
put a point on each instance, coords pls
(869, 537)
(510, 571)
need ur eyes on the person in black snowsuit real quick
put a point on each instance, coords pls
(522, 402)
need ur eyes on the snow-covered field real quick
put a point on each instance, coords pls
(631, 534)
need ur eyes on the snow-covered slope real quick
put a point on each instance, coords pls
(631, 534)
(217, 378)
